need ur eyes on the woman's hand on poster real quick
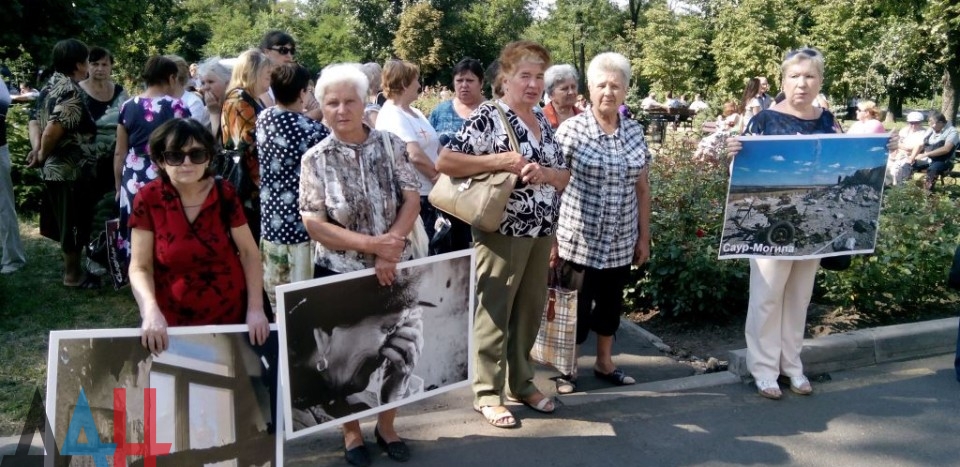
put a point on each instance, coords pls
(734, 146)
(402, 352)
(154, 331)
(386, 271)
(259, 326)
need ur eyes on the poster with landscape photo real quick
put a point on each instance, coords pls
(211, 401)
(350, 348)
(804, 196)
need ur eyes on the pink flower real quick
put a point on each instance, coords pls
(700, 233)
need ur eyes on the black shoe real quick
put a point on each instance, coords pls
(358, 456)
(396, 450)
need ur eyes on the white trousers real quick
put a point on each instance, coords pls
(780, 292)
(10, 246)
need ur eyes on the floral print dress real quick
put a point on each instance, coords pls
(140, 116)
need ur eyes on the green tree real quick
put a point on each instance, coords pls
(671, 43)
(418, 39)
(375, 22)
(751, 38)
(942, 20)
(594, 25)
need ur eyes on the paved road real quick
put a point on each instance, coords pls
(896, 414)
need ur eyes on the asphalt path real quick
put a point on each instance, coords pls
(895, 414)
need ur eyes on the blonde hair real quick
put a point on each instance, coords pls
(247, 70)
(870, 107)
(398, 75)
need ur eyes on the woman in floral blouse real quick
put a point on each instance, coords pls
(139, 116)
(238, 117)
(512, 262)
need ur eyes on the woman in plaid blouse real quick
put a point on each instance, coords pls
(604, 224)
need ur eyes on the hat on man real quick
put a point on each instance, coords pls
(914, 117)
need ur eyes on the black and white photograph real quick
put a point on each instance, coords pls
(212, 396)
(350, 347)
(804, 196)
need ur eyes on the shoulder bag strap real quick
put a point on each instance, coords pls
(507, 127)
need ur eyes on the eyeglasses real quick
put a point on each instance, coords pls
(812, 53)
(176, 158)
(284, 50)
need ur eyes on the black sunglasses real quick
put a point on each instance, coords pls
(284, 50)
(812, 53)
(176, 158)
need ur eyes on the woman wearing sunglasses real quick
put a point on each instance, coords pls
(194, 261)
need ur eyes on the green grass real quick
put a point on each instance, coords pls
(33, 302)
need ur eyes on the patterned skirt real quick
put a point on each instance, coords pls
(138, 170)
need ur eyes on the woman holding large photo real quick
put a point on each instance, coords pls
(780, 289)
(359, 199)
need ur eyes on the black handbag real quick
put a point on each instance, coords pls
(229, 164)
(836, 263)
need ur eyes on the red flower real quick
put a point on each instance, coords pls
(700, 233)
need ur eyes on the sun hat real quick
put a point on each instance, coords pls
(914, 117)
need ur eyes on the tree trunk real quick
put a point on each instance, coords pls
(894, 107)
(951, 96)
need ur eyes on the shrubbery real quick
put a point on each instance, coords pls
(27, 184)
(908, 271)
(685, 280)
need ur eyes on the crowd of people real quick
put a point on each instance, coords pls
(337, 177)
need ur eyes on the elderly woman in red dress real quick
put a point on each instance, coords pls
(194, 261)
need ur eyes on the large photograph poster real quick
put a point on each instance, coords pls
(210, 402)
(351, 348)
(804, 196)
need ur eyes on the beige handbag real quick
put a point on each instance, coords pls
(481, 199)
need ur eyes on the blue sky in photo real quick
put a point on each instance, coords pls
(805, 160)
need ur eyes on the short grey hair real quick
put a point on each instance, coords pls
(213, 65)
(374, 74)
(609, 62)
(558, 74)
(342, 73)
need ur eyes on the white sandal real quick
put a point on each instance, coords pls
(801, 385)
(769, 389)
